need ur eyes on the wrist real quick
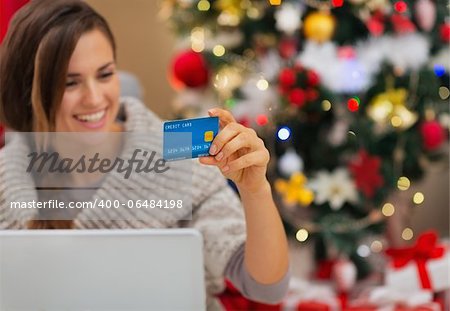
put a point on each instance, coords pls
(255, 190)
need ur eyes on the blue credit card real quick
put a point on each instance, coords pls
(189, 138)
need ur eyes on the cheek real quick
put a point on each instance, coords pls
(68, 104)
(66, 109)
(114, 88)
(112, 93)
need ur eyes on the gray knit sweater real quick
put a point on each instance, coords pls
(216, 210)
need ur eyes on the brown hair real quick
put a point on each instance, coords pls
(34, 59)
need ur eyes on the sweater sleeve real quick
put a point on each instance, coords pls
(249, 287)
(16, 187)
(219, 216)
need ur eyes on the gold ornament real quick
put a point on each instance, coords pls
(390, 108)
(319, 26)
(275, 2)
(232, 11)
(294, 190)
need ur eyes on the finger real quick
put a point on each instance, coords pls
(225, 117)
(208, 160)
(242, 140)
(257, 158)
(227, 134)
(211, 161)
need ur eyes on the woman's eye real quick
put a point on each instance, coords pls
(71, 83)
(106, 75)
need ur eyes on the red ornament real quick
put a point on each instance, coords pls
(297, 97)
(287, 48)
(287, 78)
(433, 135)
(444, 32)
(352, 105)
(402, 24)
(190, 69)
(312, 78)
(366, 172)
(400, 6)
(262, 120)
(375, 24)
(337, 3)
(312, 95)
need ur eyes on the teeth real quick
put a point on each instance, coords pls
(91, 117)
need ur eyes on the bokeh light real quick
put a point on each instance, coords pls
(284, 133)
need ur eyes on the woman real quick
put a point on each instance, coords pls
(58, 74)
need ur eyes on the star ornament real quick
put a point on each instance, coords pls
(390, 108)
(336, 188)
(366, 173)
(294, 191)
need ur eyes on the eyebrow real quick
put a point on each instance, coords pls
(73, 74)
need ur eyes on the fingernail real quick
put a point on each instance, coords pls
(213, 149)
(225, 168)
(219, 156)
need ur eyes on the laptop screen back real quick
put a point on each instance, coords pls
(154, 269)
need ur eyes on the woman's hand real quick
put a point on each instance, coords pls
(239, 153)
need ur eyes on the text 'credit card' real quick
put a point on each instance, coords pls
(189, 138)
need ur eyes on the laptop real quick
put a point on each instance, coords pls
(101, 270)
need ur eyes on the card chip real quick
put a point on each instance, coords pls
(209, 136)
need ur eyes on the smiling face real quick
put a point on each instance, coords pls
(91, 98)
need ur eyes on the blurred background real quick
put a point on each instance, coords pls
(147, 46)
(350, 97)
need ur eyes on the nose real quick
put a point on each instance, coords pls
(93, 95)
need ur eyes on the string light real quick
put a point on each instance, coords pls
(418, 198)
(407, 234)
(444, 92)
(439, 70)
(262, 84)
(388, 209)
(363, 251)
(302, 235)
(219, 50)
(284, 133)
(396, 121)
(326, 105)
(262, 119)
(198, 39)
(376, 246)
(203, 5)
(403, 183)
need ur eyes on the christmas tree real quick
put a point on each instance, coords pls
(350, 97)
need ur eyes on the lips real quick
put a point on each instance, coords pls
(93, 117)
(92, 120)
